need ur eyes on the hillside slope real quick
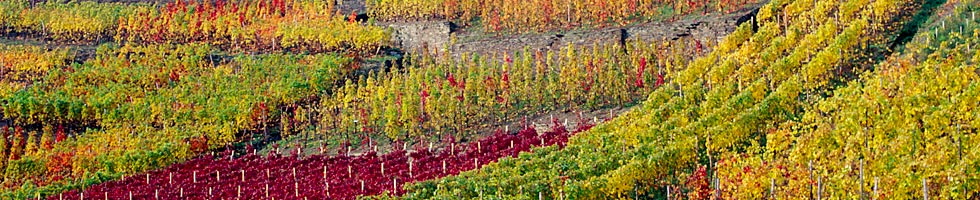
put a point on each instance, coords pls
(722, 105)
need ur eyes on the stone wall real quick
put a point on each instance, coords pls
(438, 36)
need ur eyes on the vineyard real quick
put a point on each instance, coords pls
(187, 97)
(273, 25)
(321, 176)
(438, 94)
(723, 129)
(294, 99)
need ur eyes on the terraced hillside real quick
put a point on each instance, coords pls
(97, 91)
(311, 99)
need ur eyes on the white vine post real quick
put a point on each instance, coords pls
(925, 189)
(861, 176)
(875, 193)
(819, 188)
(717, 186)
(772, 188)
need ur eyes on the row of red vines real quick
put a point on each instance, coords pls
(320, 176)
